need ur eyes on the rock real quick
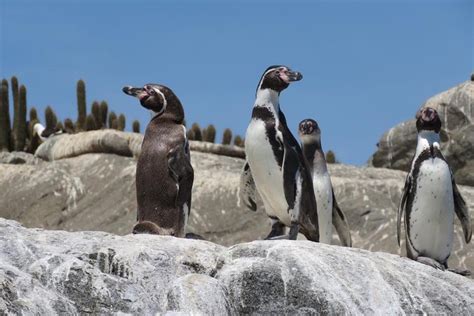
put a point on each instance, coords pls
(455, 107)
(18, 157)
(56, 272)
(109, 141)
(97, 192)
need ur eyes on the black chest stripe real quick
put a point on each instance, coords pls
(268, 119)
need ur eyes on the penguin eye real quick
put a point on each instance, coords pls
(152, 92)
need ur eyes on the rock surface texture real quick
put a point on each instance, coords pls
(456, 109)
(56, 272)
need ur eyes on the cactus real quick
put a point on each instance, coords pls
(20, 130)
(331, 157)
(210, 134)
(90, 123)
(238, 141)
(114, 123)
(50, 118)
(136, 126)
(33, 114)
(227, 137)
(81, 105)
(197, 132)
(5, 130)
(68, 126)
(104, 109)
(95, 110)
(121, 122)
(112, 117)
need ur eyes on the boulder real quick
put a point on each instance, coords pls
(97, 192)
(56, 272)
(455, 107)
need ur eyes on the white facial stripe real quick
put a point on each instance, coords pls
(165, 102)
(266, 73)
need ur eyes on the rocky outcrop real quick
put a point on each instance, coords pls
(456, 109)
(97, 192)
(111, 141)
(56, 272)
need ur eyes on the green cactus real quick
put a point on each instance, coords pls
(121, 122)
(136, 126)
(114, 123)
(50, 118)
(210, 134)
(331, 157)
(90, 123)
(68, 126)
(60, 126)
(104, 109)
(19, 133)
(33, 114)
(238, 141)
(112, 117)
(81, 105)
(227, 137)
(95, 110)
(5, 129)
(197, 132)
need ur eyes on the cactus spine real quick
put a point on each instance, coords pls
(112, 118)
(227, 137)
(5, 130)
(50, 118)
(81, 105)
(95, 110)
(197, 132)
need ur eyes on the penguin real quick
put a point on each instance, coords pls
(430, 199)
(164, 177)
(329, 213)
(275, 165)
(44, 133)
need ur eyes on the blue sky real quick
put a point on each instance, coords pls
(367, 65)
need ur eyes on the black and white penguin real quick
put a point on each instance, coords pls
(275, 165)
(164, 177)
(430, 199)
(43, 133)
(329, 213)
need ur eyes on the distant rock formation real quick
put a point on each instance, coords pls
(456, 109)
(56, 272)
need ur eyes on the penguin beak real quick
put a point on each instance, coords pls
(139, 93)
(294, 76)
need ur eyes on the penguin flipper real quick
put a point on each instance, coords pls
(462, 212)
(340, 223)
(182, 172)
(247, 188)
(402, 206)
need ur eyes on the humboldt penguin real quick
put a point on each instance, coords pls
(275, 165)
(329, 213)
(430, 199)
(164, 177)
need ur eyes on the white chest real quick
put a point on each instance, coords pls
(432, 213)
(323, 193)
(267, 175)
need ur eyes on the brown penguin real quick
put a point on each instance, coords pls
(164, 177)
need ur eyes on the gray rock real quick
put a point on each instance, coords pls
(455, 107)
(97, 192)
(56, 272)
(18, 158)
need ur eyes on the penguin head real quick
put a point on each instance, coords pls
(38, 128)
(152, 96)
(309, 131)
(278, 78)
(427, 119)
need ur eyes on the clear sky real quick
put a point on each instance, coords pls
(367, 65)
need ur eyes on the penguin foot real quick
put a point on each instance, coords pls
(193, 236)
(278, 229)
(463, 272)
(431, 262)
(282, 237)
